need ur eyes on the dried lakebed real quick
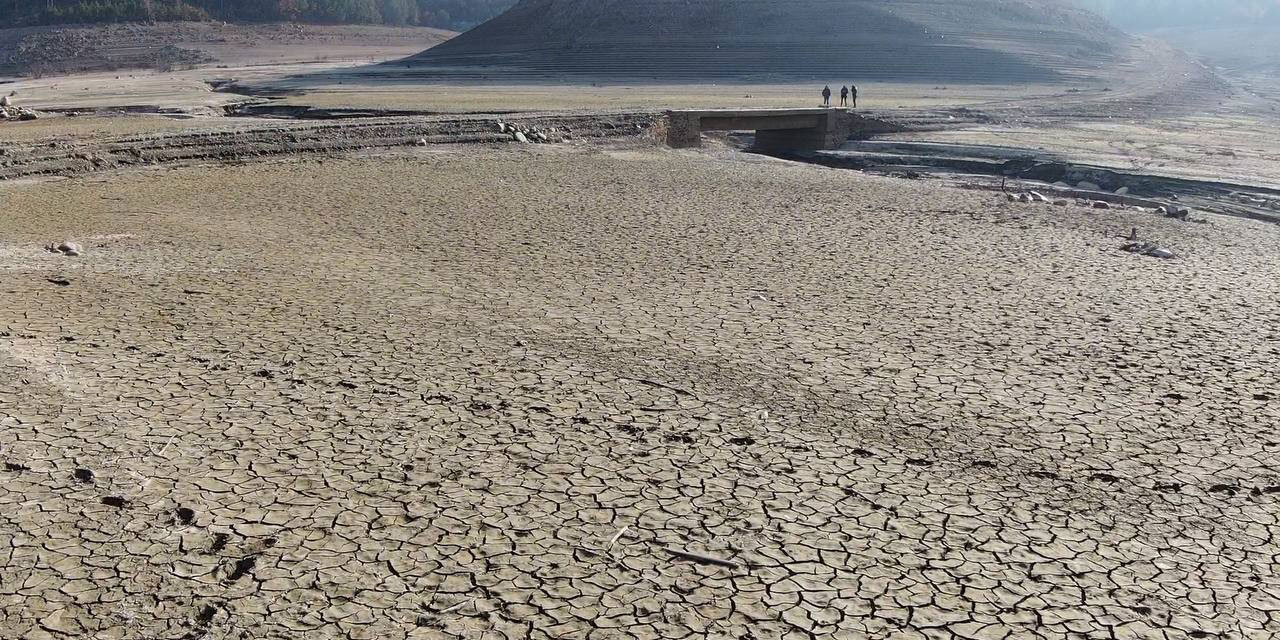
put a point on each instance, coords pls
(553, 392)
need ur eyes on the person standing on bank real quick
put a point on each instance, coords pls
(826, 96)
(853, 94)
(844, 96)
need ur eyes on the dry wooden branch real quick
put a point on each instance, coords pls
(701, 558)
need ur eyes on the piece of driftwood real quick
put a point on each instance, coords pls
(701, 558)
(614, 539)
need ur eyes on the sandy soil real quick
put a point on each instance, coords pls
(497, 392)
(1237, 148)
(95, 127)
(347, 84)
(188, 90)
(488, 97)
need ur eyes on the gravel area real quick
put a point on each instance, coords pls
(624, 392)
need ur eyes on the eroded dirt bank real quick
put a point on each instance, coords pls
(65, 156)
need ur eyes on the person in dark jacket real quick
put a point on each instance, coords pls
(826, 96)
(844, 96)
(853, 94)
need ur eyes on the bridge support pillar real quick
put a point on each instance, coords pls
(777, 130)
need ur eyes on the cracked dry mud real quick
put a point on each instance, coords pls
(507, 393)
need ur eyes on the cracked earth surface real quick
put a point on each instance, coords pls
(627, 393)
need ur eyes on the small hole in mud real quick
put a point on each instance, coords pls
(206, 615)
(219, 542)
(244, 567)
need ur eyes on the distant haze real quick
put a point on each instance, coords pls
(1143, 15)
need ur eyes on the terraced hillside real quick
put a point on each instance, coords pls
(931, 40)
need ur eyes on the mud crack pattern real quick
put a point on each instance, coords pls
(627, 394)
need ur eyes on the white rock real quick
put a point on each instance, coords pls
(1088, 186)
(1148, 249)
(1036, 196)
(66, 248)
(5, 101)
(519, 137)
(1123, 191)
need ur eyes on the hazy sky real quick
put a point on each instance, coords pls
(1139, 14)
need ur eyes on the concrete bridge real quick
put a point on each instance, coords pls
(778, 130)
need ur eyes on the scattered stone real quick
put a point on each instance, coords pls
(83, 475)
(1099, 204)
(17, 113)
(1148, 249)
(502, 127)
(1123, 191)
(115, 501)
(1060, 203)
(5, 101)
(62, 622)
(1036, 196)
(65, 248)
(422, 142)
(520, 137)
(1088, 186)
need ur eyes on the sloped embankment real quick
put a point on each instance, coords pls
(975, 41)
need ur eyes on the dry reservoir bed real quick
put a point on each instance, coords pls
(608, 393)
